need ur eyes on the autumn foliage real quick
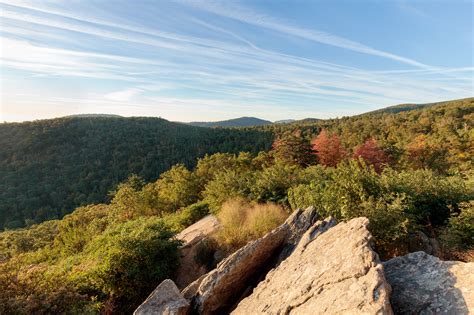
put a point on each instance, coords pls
(420, 153)
(328, 148)
(372, 154)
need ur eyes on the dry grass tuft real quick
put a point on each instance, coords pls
(243, 221)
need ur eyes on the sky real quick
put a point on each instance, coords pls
(193, 60)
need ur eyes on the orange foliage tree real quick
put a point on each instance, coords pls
(328, 148)
(372, 154)
(420, 153)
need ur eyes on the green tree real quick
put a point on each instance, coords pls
(292, 148)
(177, 188)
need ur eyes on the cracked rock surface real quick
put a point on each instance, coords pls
(332, 270)
(423, 284)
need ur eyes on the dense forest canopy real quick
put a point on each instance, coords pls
(49, 167)
(410, 173)
(438, 135)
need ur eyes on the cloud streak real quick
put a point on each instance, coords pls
(200, 66)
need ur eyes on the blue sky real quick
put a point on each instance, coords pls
(212, 60)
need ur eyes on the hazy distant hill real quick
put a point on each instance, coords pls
(49, 167)
(237, 122)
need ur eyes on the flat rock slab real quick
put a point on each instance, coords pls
(202, 228)
(164, 300)
(333, 270)
(424, 284)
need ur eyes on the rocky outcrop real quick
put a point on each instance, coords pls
(308, 267)
(165, 300)
(222, 287)
(235, 276)
(194, 237)
(423, 284)
(332, 270)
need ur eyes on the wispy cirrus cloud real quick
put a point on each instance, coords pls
(230, 10)
(126, 60)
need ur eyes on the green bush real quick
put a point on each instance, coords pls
(459, 234)
(27, 240)
(272, 183)
(227, 184)
(128, 261)
(395, 202)
(177, 188)
(187, 216)
(33, 290)
(75, 230)
(432, 197)
(354, 190)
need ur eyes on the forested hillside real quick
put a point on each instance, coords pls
(437, 136)
(406, 107)
(49, 167)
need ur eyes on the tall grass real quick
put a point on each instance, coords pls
(243, 221)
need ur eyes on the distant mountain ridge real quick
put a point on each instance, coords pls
(236, 122)
(410, 106)
(254, 121)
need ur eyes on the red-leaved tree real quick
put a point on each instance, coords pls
(372, 154)
(328, 148)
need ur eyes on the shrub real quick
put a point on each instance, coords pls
(36, 288)
(354, 190)
(205, 251)
(272, 183)
(127, 261)
(27, 240)
(187, 216)
(225, 185)
(432, 197)
(459, 234)
(75, 230)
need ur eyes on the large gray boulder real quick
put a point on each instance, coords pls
(164, 300)
(424, 284)
(333, 270)
(193, 237)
